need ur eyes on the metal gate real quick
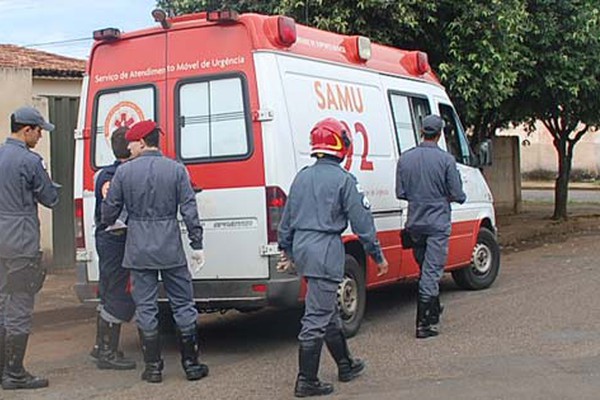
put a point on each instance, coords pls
(63, 114)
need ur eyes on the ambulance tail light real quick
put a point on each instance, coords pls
(107, 34)
(275, 203)
(79, 231)
(222, 16)
(281, 30)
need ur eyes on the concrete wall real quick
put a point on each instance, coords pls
(538, 152)
(504, 175)
(56, 87)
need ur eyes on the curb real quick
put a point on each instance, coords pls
(541, 187)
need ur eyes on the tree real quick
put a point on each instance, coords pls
(561, 88)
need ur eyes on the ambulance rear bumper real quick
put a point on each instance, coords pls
(281, 291)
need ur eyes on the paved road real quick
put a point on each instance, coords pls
(577, 196)
(534, 335)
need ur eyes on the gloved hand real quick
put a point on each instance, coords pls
(285, 264)
(198, 261)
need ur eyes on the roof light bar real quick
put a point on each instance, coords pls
(223, 16)
(107, 34)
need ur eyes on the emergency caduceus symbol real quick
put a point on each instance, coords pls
(122, 114)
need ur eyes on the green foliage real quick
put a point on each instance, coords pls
(475, 45)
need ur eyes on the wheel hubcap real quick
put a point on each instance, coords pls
(482, 259)
(348, 297)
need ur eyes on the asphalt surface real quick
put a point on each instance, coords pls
(534, 335)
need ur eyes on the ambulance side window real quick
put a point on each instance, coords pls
(115, 108)
(454, 134)
(213, 120)
(408, 112)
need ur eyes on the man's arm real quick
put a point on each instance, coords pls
(357, 208)
(113, 202)
(189, 209)
(400, 193)
(454, 183)
(44, 190)
(285, 232)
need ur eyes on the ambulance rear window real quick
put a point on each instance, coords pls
(213, 119)
(115, 108)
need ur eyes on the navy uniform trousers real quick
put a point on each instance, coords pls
(116, 306)
(16, 308)
(321, 312)
(430, 252)
(178, 286)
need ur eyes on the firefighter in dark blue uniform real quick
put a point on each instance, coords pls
(24, 183)
(428, 178)
(154, 189)
(116, 304)
(321, 201)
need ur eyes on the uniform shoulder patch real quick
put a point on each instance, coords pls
(366, 203)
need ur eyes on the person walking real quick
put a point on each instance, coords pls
(116, 305)
(322, 199)
(154, 189)
(24, 183)
(427, 177)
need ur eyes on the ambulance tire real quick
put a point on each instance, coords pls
(352, 296)
(485, 264)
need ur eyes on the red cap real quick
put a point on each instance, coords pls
(140, 130)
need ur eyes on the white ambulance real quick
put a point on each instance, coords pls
(237, 96)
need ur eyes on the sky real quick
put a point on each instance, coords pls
(31, 22)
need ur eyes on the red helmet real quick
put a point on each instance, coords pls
(329, 136)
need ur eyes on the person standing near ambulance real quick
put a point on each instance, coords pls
(427, 177)
(24, 183)
(116, 304)
(321, 201)
(154, 189)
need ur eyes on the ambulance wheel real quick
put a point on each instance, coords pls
(485, 263)
(352, 296)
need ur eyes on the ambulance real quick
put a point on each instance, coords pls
(236, 96)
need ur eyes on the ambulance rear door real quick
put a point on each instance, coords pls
(212, 95)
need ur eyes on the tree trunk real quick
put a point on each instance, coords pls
(561, 190)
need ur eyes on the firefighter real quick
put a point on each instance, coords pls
(116, 305)
(154, 189)
(24, 183)
(428, 178)
(321, 201)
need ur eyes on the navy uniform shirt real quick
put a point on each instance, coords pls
(427, 177)
(24, 183)
(153, 188)
(322, 199)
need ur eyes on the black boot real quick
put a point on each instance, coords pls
(308, 383)
(96, 349)
(15, 376)
(151, 349)
(108, 356)
(436, 311)
(348, 367)
(2, 350)
(424, 327)
(188, 345)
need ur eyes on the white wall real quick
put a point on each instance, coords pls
(56, 87)
(538, 152)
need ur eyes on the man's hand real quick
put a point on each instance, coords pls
(382, 268)
(284, 264)
(198, 261)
